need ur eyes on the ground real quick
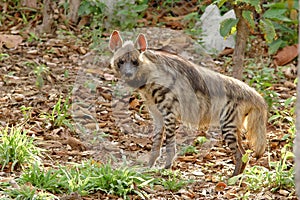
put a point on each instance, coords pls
(108, 120)
(112, 121)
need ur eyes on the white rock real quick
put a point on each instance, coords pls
(210, 24)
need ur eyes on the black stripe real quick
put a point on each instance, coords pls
(228, 120)
(230, 137)
(224, 108)
(156, 101)
(154, 91)
(229, 112)
(165, 91)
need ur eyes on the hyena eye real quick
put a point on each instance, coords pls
(135, 62)
(121, 62)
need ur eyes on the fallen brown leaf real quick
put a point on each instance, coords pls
(11, 41)
(286, 55)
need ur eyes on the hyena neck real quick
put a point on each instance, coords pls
(139, 82)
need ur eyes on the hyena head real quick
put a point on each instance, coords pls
(127, 60)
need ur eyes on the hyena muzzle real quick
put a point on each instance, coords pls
(177, 89)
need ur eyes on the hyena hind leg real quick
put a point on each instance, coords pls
(232, 138)
(170, 125)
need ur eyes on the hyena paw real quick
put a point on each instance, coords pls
(168, 166)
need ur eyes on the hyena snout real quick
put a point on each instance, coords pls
(128, 71)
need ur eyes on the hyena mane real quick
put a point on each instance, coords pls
(175, 88)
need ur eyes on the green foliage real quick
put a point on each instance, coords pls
(278, 23)
(122, 181)
(200, 140)
(262, 80)
(91, 7)
(279, 176)
(3, 56)
(33, 37)
(16, 148)
(248, 15)
(285, 112)
(268, 29)
(172, 180)
(87, 177)
(41, 178)
(23, 193)
(124, 15)
(196, 32)
(227, 25)
(60, 115)
(187, 150)
(26, 192)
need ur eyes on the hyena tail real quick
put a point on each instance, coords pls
(256, 130)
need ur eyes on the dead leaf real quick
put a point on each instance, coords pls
(134, 103)
(226, 51)
(11, 41)
(220, 186)
(286, 55)
(75, 144)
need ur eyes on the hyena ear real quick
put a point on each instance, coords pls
(141, 42)
(115, 41)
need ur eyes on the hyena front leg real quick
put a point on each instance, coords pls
(230, 132)
(157, 134)
(167, 109)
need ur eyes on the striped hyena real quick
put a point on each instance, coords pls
(177, 89)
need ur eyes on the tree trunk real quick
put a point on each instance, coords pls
(46, 26)
(73, 11)
(297, 139)
(240, 44)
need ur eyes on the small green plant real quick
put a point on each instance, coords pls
(91, 176)
(3, 56)
(26, 192)
(16, 148)
(40, 71)
(172, 180)
(200, 140)
(41, 178)
(26, 111)
(285, 112)
(122, 181)
(60, 115)
(280, 176)
(32, 37)
(22, 193)
(188, 150)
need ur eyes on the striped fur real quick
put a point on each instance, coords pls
(177, 89)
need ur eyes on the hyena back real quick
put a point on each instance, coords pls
(175, 88)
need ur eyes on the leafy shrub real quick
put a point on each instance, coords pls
(122, 15)
(278, 22)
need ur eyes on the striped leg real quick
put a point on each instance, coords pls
(158, 135)
(170, 125)
(168, 110)
(231, 135)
